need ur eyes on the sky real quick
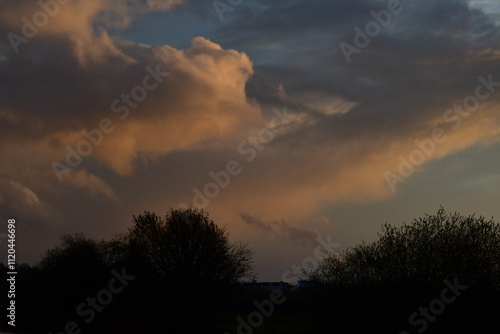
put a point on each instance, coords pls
(293, 123)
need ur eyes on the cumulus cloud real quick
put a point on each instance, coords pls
(203, 99)
(203, 102)
(358, 119)
(63, 82)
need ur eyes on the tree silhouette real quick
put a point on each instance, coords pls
(187, 263)
(184, 270)
(75, 251)
(187, 246)
(425, 252)
(65, 276)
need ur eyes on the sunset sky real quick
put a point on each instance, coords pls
(317, 118)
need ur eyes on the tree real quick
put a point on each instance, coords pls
(187, 246)
(186, 263)
(75, 252)
(66, 275)
(425, 252)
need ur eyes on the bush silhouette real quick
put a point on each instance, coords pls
(423, 253)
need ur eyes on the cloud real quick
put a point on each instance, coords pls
(82, 24)
(64, 81)
(353, 121)
(16, 192)
(283, 228)
(328, 105)
(90, 183)
(163, 4)
(20, 202)
(203, 100)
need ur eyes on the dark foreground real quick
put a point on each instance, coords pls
(140, 307)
